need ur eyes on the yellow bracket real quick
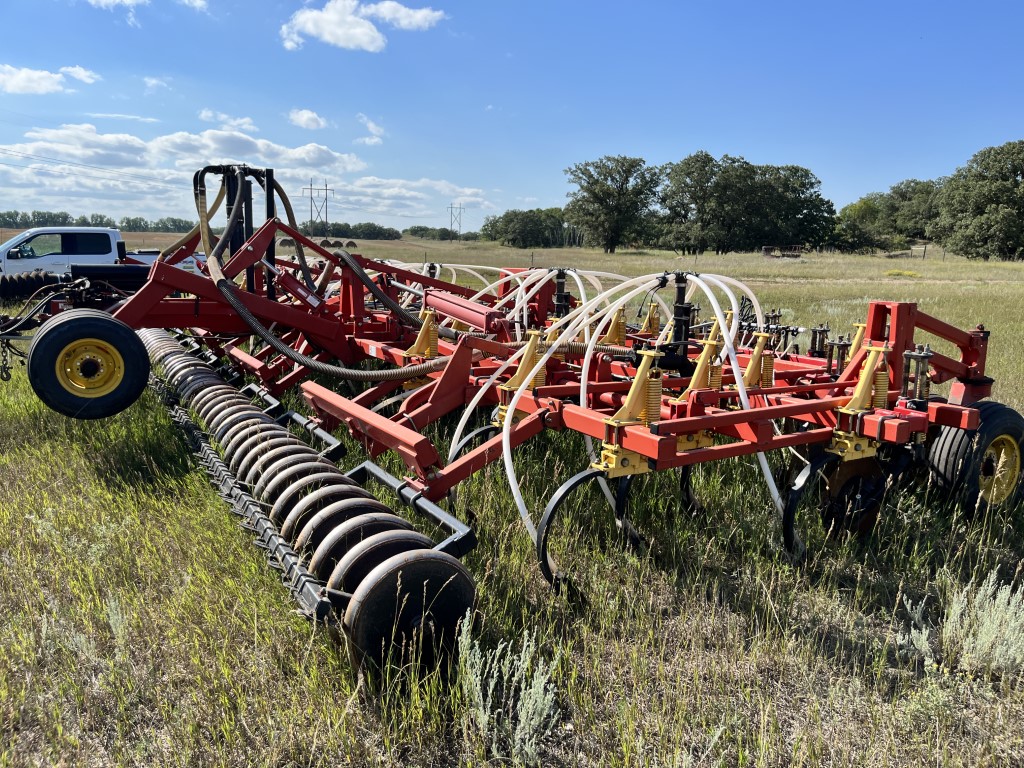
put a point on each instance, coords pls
(643, 402)
(652, 323)
(858, 339)
(752, 376)
(426, 340)
(641, 406)
(616, 335)
(616, 461)
(862, 394)
(534, 350)
(701, 378)
(701, 439)
(849, 446)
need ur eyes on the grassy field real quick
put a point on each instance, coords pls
(139, 626)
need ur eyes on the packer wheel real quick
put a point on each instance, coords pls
(85, 364)
(370, 552)
(296, 513)
(339, 527)
(410, 604)
(981, 468)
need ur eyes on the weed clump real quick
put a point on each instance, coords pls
(983, 631)
(509, 697)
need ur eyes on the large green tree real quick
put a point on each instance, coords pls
(731, 204)
(613, 198)
(981, 206)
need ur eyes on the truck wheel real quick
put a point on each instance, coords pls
(981, 468)
(85, 364)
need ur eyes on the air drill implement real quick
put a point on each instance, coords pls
(525, 351)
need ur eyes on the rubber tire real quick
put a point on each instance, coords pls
(425, 588)
(353, 567)
(75, 325)
(956, 457)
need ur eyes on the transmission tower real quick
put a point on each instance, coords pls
(455, 212)
(318, 204)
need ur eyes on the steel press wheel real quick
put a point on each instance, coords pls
(353, 566)
(339, 527)
(981, 468)
(408, 608)
(84, 363)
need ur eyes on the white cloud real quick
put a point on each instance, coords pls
(38, 81)
(376, 132)
(118, 116)
(199, 5)
(227, 122)
(154, 83)
(24, 80)
(347, 24)
(131, 176)
(306, 118)
(81, 73)
(400, 17)
(130, 5)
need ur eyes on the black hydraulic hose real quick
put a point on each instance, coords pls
(227, 289)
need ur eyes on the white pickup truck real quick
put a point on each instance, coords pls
(55, 249)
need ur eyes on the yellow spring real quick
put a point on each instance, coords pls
(767, 371)
(715, 376)
(432, 339)
(880, 398)
(541, 378)
(652, 408)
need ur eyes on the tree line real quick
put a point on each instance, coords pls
(366, 230)
(26, 220)
(729, 204)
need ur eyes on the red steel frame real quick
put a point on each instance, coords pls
(346, 328)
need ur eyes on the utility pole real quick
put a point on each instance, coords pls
(455, 212)
(318, 204)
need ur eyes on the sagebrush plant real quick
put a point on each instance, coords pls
(983, 631)
(510, 701)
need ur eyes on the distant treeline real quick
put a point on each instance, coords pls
(438, 233)
(729, 204)
(366, 230)
(23, 220)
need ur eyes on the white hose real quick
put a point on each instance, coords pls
(603, 317)
(741, 390)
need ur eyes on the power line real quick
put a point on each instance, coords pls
(126, 174)
(79, 174)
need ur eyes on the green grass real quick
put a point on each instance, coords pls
(139, 626)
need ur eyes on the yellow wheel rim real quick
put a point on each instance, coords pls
(1000, 468)
(90, 368)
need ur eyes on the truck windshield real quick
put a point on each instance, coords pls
(8, 244)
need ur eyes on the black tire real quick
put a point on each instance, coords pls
(408, 608)
(85, 364)
(981, 468)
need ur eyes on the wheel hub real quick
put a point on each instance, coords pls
(89, 368)
(1000, 468)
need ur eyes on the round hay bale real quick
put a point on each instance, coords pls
(350, 244)
(286, 242)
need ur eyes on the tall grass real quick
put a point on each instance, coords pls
(139, 626)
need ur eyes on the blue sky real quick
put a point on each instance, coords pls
(404, 108)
